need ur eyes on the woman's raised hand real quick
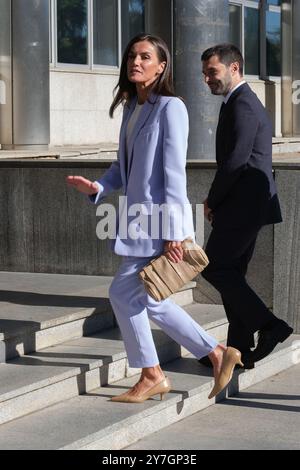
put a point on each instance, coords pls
(82, 184)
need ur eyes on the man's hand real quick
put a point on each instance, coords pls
(82, 184)
(207, 212)
(173, 251)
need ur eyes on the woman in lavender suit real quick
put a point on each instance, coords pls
(151, 171)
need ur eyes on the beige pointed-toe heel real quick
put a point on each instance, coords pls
(159, 389)
(231, 357)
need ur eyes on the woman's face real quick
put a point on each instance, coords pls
(143, 65)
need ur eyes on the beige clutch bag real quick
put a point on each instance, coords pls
(161, 277)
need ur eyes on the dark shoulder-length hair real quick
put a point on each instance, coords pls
(126, 90)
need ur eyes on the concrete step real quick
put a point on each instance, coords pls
(255, 419)
(92, 421)
(41, 310)
(54, 374)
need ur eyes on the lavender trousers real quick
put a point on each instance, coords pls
(133, 308)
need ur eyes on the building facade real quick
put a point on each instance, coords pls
(60, 59)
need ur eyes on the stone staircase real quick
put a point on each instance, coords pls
(63, 359)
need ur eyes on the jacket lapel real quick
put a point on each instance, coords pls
(225, 108)
(126, 158)
(145, 113)
(122, 143)
(241, 89)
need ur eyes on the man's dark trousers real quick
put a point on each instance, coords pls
(229, 252)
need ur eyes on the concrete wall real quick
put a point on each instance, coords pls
(49, 228)
(79, 105)
(46, 226)
(287, 247)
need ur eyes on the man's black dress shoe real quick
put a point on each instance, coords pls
(248, 363)
(269, 337)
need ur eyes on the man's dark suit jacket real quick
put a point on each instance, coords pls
(243, 193)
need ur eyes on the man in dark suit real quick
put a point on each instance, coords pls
(242, 199)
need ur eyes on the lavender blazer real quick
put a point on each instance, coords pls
(152, 174)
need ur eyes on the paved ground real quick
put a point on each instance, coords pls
(104, 150)
(109, 151)
(265, 416)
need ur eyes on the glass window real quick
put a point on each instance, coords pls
(133, 19)
(235, 12)
(273, 30)
(274, 2)
(105, 32)
(251, 41)
(72, 31)
(50, 32)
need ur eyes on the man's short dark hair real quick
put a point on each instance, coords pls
(227, 54)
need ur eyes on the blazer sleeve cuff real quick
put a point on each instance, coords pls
(94, 198)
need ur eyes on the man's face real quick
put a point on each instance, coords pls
(217, 76)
